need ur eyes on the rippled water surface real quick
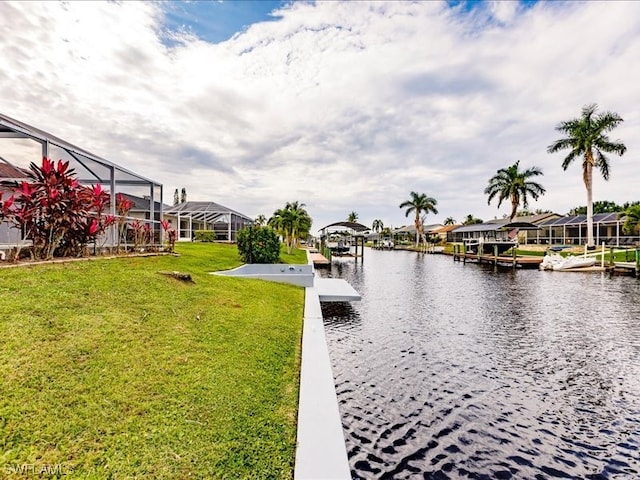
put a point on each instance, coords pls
(446, 370)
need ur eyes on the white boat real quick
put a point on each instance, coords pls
(556, 262)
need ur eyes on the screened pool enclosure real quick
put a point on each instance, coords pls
(189, 217)
(22, 144)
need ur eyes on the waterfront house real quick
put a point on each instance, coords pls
(189, 217)
(572, 230)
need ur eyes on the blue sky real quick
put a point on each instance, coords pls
(216, 21)
(343, 106)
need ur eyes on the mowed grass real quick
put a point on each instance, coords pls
(113, 370)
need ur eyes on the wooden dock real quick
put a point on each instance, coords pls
(319, 260)
(626, 268)
(519, 261)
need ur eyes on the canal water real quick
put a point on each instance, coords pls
(446, 370)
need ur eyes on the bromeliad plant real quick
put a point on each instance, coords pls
(58, 214)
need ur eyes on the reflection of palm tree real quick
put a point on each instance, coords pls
(449, 221)
(513, 184)
(586, 137)
(418, 204)
(632, 219)
(353, 217)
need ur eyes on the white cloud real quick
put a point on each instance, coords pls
(342, 106)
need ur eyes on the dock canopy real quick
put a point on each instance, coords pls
(356, 227)
(497, 229)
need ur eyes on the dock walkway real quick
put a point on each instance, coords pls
(319, 260)
(521, 261)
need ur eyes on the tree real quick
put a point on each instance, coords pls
(449, 221)
(176, 197)
(377, 225)
(514, 184)
(258, 245)
(599, 206)
(183, 195)
(419, 204)
(632, 219)
(352, 217)
(260, 220)
(471, 220)
(586, 137)
(292, 222)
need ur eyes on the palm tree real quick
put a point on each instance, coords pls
(471, 220)
(352, 217)
(377, 226)
(586, 137)
(418, 204)
(449, 221)
(291, 222)
(513, 184)
(632, 219)
(260, 220)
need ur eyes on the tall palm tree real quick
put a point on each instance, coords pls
(260, 220)
(418, 204)
(514, 184)
(586, 137)
(449, 221)
(352, 217)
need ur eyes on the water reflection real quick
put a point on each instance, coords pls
(446, 370)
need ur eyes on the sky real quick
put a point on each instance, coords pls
(343, 106)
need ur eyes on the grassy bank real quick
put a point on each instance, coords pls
(115, 371)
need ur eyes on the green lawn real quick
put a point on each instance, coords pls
(116, 371)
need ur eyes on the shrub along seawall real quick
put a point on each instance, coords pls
(109, 369)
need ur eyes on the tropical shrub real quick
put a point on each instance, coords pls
(171, 234)
(123, 207)
(58, 214)
(258, 245)
(205, 235)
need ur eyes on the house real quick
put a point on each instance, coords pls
(444, 232)
(407, 233)
(493, 230)
(572, 230)
(188, 217)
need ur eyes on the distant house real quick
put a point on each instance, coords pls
(444, 232)
(188, 217)
(408, 232)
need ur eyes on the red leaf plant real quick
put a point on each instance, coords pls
(172, 235)
(52, 209)
(123, 207)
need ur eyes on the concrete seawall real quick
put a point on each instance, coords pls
(321, 452)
